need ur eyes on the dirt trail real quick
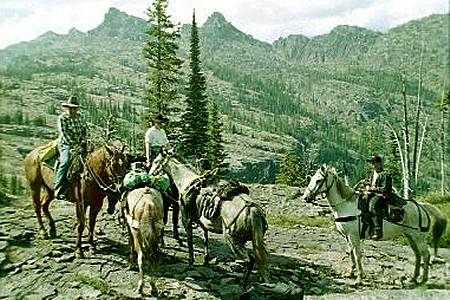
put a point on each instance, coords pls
(302, 259)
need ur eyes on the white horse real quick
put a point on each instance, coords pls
(415, 225)
(240, 219)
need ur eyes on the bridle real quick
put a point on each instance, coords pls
(112, 176)
(323, 182)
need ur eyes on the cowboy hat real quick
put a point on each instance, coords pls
(159, 118)
(374, 158)
(71, 102)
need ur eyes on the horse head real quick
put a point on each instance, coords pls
(321, 182)
(117, 165)
(160, 162)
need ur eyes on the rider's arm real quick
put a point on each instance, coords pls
(166, 144)
(384, 184)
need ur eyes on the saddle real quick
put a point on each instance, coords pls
(393, 213)
(48, 154)
(213, 200)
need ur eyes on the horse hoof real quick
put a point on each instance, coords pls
(350, 275)
(154, 291)
(79, 254)
(413, 282)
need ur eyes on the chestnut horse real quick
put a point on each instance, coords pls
(102, 173)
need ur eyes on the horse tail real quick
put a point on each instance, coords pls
(150, 229)
(439, 224)
(259, 226)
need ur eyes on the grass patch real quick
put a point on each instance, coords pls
(290, 222)
(93, 281)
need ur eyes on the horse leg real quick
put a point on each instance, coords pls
(356, 257)
(165, 218)
(238, 248)
(425, 254)
(45, 207)
(190, 242)
(132, 250)
(416, 250)
(93, 212)
(175, 214)
(351, 273)
(81, 215)
(205, 245)
(36, 197)
(140, 256)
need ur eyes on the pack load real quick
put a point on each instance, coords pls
(140, 178)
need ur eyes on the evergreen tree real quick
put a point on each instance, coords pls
(216, 152)
(161, 54)
(374, 141)
(195, 118)
(292, 171)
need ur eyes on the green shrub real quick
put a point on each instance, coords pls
(286, 221)
(93, 281)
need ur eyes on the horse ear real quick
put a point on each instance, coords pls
(323, 167)
(109, 150)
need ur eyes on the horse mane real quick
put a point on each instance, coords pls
(184, 173)
(344, 191)
(94, 159)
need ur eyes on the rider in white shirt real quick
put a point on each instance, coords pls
(155, 139)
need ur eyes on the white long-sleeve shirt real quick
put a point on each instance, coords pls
(156, 137)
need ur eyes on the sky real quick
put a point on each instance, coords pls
(267, 20)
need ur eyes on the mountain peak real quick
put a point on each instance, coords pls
(75, 32)
(118, 24)
(114, 13)
(216, 20)
(351, 30)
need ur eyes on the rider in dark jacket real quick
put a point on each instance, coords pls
(378, 190)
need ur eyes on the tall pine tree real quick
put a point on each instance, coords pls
(195, 130)
(216, 152)
(161, 55)
(292, 171)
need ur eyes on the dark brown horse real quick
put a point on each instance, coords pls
(104, 170)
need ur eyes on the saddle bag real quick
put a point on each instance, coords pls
(395, 214)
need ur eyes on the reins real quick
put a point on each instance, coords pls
(98, 180)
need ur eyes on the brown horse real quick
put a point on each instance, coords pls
(104, 170)
(144, 216)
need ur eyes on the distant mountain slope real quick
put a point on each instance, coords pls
(295, 94)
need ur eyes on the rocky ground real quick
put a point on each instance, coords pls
(303, 260)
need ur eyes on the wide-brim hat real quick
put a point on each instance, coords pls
(71, 102)
(159, 118)
(374, 158)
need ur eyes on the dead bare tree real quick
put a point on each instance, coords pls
(406, 167)
(445, 102)
(416, 156)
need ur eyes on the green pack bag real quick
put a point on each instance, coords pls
(136, 178)
(139, 178)
(160, 182)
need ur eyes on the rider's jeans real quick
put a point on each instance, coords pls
(64, 158)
